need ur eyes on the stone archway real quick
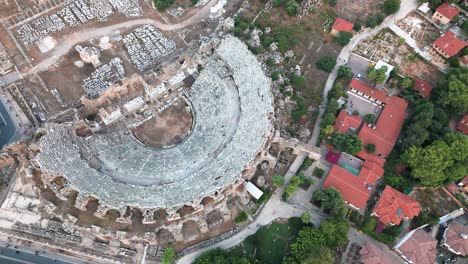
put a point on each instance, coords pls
(185, 210)
(160, 216)
(190, 230)
(207, 201)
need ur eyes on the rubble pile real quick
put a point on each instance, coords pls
(76, 13)
(146, 45)
(103, 77)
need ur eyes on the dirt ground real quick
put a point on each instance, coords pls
(435, 200)
(357, 10)
(420, 29)
(167, 128)
(420, 69)
(312, 43)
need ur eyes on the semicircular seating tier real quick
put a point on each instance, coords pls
(231, 103)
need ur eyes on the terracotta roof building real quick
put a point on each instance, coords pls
(371, 254)
(417, 247)
(455, 239)
(423, 87)
(356, 189)
(393, 206)
(449, 45)
(463, 125)
(346, 122)
(388, 126)
(341, 25)
(445, 13)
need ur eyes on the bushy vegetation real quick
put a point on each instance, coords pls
(344, 72)
(318, 172)
(168, 256)
(344, 38)
(330, 200)
(374, 20)
(292, 7)
(265, 197)
(219, 256)
(241, 217)
(300, 110)
(306, 164)
(326, 63)
(329, 117)
(278, 181)
(370, 148)
(347, 143)
(391, 6)
(378, 75)
(162, 5)
(387, 236)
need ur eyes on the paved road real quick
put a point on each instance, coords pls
(10, 253)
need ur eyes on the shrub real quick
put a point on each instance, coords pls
(301, 109)
(278, 180)
(168, 256)
(275, 76)
(326, 63)
(278, 3)
(292, 7)
(298, 81)
(370, 148)
(391, 6)
(355, 113)
(241, 217)
(374, 20)
(343, 38)
(319, 172)
(357, 26)
(306, 164)
(194, 2)
(270, 62)
(163, 4)
(370, 118)
(344, 72)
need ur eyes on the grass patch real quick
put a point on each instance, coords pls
(271, 243)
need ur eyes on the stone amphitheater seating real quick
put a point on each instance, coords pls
(231, 102)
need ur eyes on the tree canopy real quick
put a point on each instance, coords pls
(391, 6)
(292, 7)
(344, 38)
(278, 180)
(453, 91)
(378, 75)
(168, 256)
(326, 63)
(344, 72)
(347, 143)
(330, 199)
(219, 256)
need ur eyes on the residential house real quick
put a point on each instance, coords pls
(346, 122)
(448, 45)
(417, 247)
(445, 13)
(341, 25)
(423, 87)
(455, 239)
(394, 206)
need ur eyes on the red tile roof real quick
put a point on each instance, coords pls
(371, 254)
(453, 238)
(393, 206)
(464, 60)
(463, 125)
(371, 157)
(447, 10)
(345, 121)
(423, 87)
(368, 89)
(342, 25)
(374, 166)
(420, 248)
(450, 44)
(353, 188)
(388, 126)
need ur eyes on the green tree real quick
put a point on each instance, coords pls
(407, 83)
(168, 256)
(326, 63)
(374, 20)
(428, 163)
(219, 256)
(347, 143)
(391, 6)
(328, 130)
(307, 239)
(319, 255)
(344, 38)
(278, 181)
(162, 5)
(370, 118)
(454, 91)
(330, 199)
(378, 75)
(344, 72)
(292, 7)
(306, 217)
(370, 148)
(278, 3)
(335, 231)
